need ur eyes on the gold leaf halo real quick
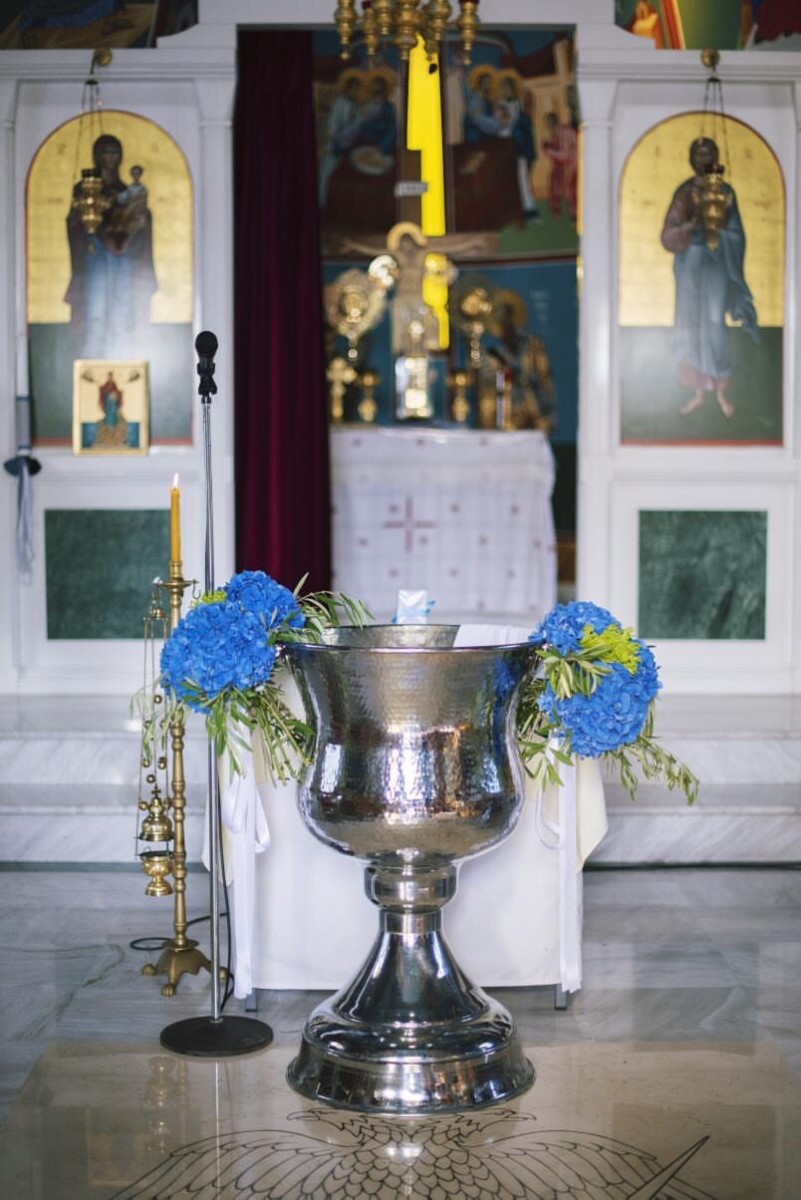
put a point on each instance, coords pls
(506, 296)
(385, 73)
(344, 78)
(476, 75)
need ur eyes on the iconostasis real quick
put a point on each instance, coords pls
(689, 494)
(468, 176)
(113, 172)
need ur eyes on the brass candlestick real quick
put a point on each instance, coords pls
(368, 407)
(180, 954)
(460, 405)
(487, 407)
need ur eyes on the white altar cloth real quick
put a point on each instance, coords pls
(314, 925)
(464, 513)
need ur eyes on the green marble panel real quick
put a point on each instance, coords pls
(702, 575)
(99, 565)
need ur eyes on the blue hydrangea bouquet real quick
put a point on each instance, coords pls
(595, 698)
(221, 657)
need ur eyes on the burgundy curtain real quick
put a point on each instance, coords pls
(281, 410)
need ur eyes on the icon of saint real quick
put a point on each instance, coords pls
(710, 283)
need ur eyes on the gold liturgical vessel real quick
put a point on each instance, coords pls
(715, 198)
(368, 406)
(400, 22)
(180, 954)
(715, 202)
(89, 197)
(459, 382)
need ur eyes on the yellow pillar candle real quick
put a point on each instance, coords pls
(175, 522)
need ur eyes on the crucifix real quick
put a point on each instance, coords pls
(339, 374)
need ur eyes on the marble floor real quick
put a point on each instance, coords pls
(675, 1073)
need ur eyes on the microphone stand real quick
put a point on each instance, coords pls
(215, 1036)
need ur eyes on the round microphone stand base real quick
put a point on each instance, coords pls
(205, 1037)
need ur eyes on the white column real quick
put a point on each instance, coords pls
(596, 317)
(9, 291)
(215, 308)
(793, 380)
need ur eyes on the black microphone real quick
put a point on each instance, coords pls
(206, 347)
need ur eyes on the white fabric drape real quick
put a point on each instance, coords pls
(245, 833)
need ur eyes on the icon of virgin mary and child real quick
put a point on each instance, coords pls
(113, 276)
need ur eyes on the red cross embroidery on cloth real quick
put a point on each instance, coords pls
(408, 524)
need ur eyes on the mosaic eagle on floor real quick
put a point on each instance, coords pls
(461, 1157)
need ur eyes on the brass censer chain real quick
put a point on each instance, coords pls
(715, 199)
(180, 954)
(153, 762)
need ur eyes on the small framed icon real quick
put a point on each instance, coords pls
(110, 401)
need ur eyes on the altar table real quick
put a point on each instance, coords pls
(465, 514)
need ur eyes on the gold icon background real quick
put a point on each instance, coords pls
(55, 169)
(654, 169)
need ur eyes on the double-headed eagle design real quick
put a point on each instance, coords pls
(447, 1158)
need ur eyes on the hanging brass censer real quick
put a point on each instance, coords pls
(88, 199)
(716, 197)
(715, 203)
(401, 22)
(154, 763)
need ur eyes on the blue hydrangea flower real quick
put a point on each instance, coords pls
(563, 626)
(214, 647)
(271, 601)
(611, 716)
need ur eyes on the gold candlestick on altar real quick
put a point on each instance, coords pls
(460, 405)
(180, 955)
(339, 375)
(368, 408)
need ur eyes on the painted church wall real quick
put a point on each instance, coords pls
(656, 500)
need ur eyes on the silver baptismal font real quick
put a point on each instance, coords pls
(415, 767)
